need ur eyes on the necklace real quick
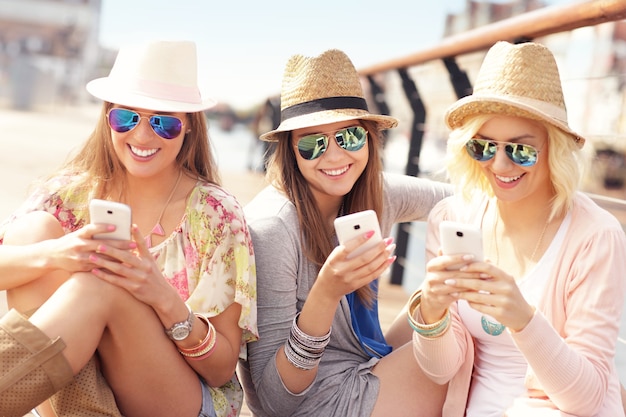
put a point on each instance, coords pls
(157, 229)
(537, 245)
(489, 324)
(543, 232)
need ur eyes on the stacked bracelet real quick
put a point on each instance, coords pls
(302, 350)
(205, 348)
(430, 331)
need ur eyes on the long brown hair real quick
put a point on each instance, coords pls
(367, 193)
(95, 169)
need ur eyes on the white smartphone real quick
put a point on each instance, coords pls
(351, 225)
(461, 238)
(111, 212)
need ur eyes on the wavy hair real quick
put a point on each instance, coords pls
(565, 163)
(95, 170)
(317, 242)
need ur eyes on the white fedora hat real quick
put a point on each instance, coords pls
(159, 75)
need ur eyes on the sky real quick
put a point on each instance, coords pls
(243, 45)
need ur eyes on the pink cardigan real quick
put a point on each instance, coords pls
(569, 343)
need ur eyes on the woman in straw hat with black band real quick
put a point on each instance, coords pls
(532, 331)
(154, 323)
(321, 350)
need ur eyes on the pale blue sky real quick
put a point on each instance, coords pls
(243, 45)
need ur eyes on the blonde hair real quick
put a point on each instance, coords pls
(565, 162)
(317, 241)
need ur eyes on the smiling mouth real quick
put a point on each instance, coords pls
(144, 153)
(508, 179)
(335, 172)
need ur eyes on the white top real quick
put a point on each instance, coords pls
(499, 367)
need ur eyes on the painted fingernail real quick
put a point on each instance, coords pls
(369, 234)
(101, 248)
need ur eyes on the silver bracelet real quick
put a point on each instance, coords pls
(312, 343)
(299, 361)
(302, 350)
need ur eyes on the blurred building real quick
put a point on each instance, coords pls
(48, 50)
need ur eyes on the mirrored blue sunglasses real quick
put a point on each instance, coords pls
(483, 150)
(124, 120)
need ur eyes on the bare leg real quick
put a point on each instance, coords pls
(142, 366)
(404, 389)
(34, 227)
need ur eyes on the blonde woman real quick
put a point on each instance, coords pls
(533, 330)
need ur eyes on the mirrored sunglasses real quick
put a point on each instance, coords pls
(124, 120)
(483, 150)
(313, 146)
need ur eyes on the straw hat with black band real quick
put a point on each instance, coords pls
(516, 80)
(322, 90)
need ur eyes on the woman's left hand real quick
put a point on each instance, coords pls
(135, 271)
(496, 294)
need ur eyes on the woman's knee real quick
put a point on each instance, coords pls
(33, 227)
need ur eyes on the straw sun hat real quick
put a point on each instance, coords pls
(321, 90)
(516, 80)
(159, 75)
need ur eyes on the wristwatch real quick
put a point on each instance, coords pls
(180, 331)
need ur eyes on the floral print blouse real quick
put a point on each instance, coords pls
(208, 258)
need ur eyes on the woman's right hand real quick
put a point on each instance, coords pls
(340, 276)
(436, 294)
(71, 252)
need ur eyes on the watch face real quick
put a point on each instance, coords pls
(180, 332)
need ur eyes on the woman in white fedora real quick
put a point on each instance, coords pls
(321, 350)
(164, 316)
(532, 331)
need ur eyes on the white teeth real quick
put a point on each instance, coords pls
(143, 152)
(508, 179)
(334, 172)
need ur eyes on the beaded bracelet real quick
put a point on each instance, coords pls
(205, 348)
(432, 330)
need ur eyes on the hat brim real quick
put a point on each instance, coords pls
(327, 117)
(481, 104)
(105, 90)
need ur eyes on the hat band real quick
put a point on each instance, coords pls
(322, 104)
(164, 91)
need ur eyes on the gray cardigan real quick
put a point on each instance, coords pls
(344, 385)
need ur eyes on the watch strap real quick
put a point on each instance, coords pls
(188, 323)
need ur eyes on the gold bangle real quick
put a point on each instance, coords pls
(432, 330)
(206, 344)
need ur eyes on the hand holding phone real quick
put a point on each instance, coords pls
(352, 225)
(461, 238)
(110, 212)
